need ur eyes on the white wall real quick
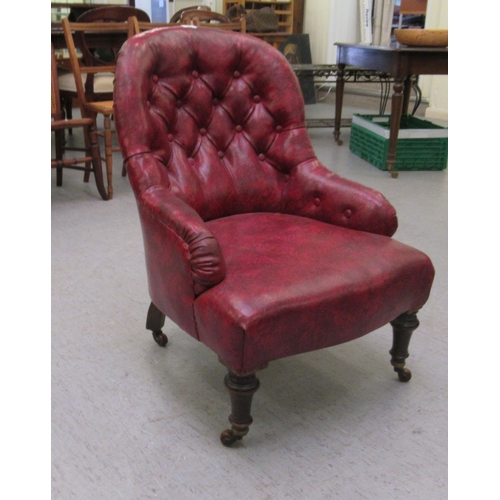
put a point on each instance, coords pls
(330, 21)
(436, 87)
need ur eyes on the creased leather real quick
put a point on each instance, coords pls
(315, 192)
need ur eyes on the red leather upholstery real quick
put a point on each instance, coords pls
(252, 245)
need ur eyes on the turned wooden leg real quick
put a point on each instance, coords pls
(96, 162)
(155, 322)
(406, 95)
(339, 97)
(396, 110)
(108, 152)
(402, 327)
(241, 390)
(59, 138)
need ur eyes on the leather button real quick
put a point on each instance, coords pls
(203, 131)
(286, 177)
(239, 128)
(191, 160)
(279, 129)
(236, 74)
(215, 102)
(156, 78)
(195, 74)
(262, 157)
(170, 137)
(347, 213)
(317, 202)
(256, 98)
(221, 154)
(148, 104)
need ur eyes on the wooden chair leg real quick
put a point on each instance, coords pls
(96, 162)
(241, 389)
(59, 139)
(155, 322)
(108, 151)
(403, 327)
(67, 106)
(88, 146)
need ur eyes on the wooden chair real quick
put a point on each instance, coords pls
(90, 71)
(67, 86)
(213, 20)
(59, 124)
(136, 27)
(177, 16)
(203, 16)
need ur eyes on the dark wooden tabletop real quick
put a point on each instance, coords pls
(400, 61)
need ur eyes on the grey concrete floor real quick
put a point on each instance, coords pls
(131, 420)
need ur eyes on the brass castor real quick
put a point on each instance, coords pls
(160, 338)
(230, 436)
(404, 374)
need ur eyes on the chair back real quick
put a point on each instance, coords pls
(177, 15)
(55, 98)
(113, 14)
(136, 26)
(117, 13)
(215, 22)
(88, 38)
(203, 16)
(219, 118)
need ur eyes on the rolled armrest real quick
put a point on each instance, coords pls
(176, 219)
(314, 191)
(183, 258)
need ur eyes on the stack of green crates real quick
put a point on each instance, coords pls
(422, 145)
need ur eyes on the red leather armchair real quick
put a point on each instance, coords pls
(252, 246)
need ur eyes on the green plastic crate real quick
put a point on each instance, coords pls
(422, 145)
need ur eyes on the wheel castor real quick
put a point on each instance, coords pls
(230, 436)
(160, 338)
(404, 374)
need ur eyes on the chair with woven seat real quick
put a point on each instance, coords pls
(252, 245)
(59, 125)
(93, 77)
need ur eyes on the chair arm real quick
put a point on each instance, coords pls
(314, 191)
(172, 222)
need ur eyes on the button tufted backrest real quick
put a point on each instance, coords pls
(219, 118)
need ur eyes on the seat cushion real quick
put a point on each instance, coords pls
(103, 82)
(295, 285)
